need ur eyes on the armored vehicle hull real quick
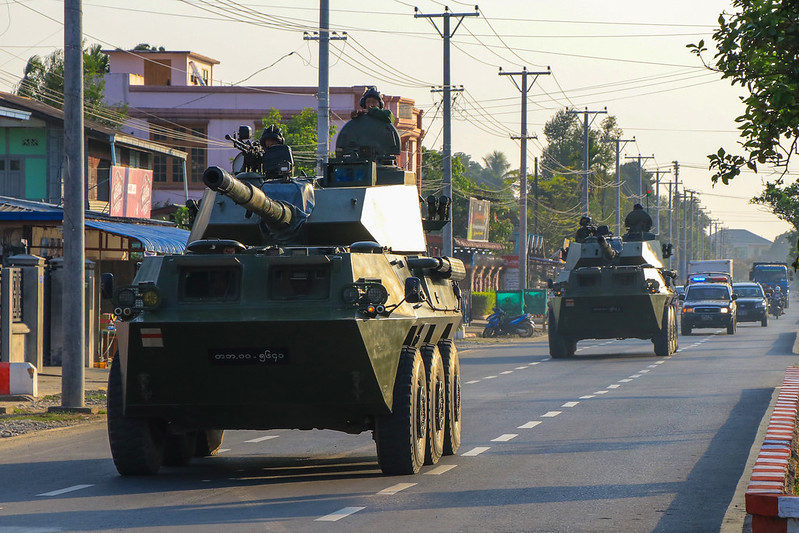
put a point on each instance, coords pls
(294, 307)
(613, 289)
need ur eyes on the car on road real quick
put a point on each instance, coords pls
(708, 305)
(752, 302)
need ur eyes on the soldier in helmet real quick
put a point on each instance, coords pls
(278, 161)
(638, 220)
(586, 229)
(372, 105)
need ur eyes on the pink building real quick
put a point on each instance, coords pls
(172, 99)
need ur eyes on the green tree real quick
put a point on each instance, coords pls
(44, 81)
(300, 133)
(757, 48)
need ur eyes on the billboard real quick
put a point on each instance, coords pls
(478, 219)
(131, 192)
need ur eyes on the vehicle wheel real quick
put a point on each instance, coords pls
(685, 329)
(436, 399)
(662, 339)
(208, 442)
(731, 327)
(452, 381)
(528, 330)
(137, 444)
(559, 346)
(675, 336)
(180, 449)
(764, 321)
(489, 332)
(400, 436)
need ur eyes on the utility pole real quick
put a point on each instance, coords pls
(618, 180)
(74, 304)
(676, 191)
(684, 249)
(323, 92)
(585, 150)
(657, 198)
(535, 199)
(523, 89)
(446, 34)
(640, 175)
(692, 234)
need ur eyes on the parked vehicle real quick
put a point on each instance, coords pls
(709, 305)
(499, 324)
(752, 303)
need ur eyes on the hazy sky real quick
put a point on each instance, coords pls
(629, 56)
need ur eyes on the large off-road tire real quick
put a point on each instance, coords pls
(732, 327)
(452, 381)
(179, 449)
(137, 444)
(559, 346)
(436, 399)
(675, 335)
(400, 436)
(528, 330)
(208, 442)
(662, 339)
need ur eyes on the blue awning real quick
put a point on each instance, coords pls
(158, 239)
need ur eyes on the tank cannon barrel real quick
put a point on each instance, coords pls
(446, 267)
(247, 196)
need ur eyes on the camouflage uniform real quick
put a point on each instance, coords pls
(638, 220)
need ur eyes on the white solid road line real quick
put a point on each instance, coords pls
(64, 491)
(437, 471)
(505, 437)
(261, 439)
(396, 488)
(338, 515)
(475, 451)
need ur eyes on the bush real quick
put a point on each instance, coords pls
(483, 303)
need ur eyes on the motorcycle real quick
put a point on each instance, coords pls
(500, 324)
(776, 306)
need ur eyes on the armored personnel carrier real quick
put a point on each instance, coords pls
(300, 303)
(614, 287)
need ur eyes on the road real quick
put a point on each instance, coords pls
(614, 440)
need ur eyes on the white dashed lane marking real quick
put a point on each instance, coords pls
(625, 380)
(393, 489)
(570, 404)
(614, 386)
(644, 371)
(338, 515)
(529, 425)
(261, 439)
(437, 471)
(587, 397)
(551, 414)
(520, 367)
(635, 376)
(59, 492)
(507, 372)
(223, 450)
(475, 451)
(489, 377)
(473, 381)
(505, 438)
(601, 392)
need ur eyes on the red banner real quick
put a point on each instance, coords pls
(131, 192)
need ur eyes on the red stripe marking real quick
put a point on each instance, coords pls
(5, 378)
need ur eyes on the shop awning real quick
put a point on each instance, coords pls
(153, 238)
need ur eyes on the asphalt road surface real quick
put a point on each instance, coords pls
(614, 440)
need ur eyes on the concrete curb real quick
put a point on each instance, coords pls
(769, 496)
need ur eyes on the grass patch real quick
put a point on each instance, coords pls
(45, 417)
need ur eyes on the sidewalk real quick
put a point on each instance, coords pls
(50, 380)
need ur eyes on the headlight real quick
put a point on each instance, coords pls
(687, 309)
(126, 297)
(351, 294)
(150, 297)
(725, 310)
(376, 294)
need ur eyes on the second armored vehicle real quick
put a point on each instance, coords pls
(295, 306)
(613, 288)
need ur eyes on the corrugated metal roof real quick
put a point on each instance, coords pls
(159, 239)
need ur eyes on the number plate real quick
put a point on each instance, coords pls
(707, 317)
(248, 356)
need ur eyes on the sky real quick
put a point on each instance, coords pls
(628, 56)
